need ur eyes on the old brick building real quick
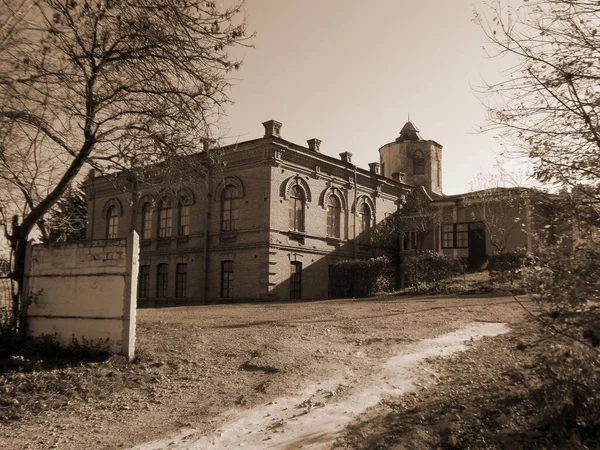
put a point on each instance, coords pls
(471, 225)
(266, 224)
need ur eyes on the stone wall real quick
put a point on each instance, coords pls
(84, 291)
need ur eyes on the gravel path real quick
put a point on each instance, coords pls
(202, 367)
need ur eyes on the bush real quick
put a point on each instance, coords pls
(430, 268)
(507, 266)
(566, 279)
(362, 277)
(568, 398)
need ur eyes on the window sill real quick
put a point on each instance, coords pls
(163, 242)
(298, 236)
(333, 240)
(145, 242)
(228, 235)
(183, 238)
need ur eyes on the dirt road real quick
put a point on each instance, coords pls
(202, 369)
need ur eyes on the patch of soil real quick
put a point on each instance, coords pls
(198, 366)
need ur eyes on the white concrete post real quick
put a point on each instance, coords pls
(130, 294)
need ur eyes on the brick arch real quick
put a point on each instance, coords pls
(146, 199)
(287, 186)
(229, 181)
(112, 202)
(364, 199)
(187, 195)
(332, 190)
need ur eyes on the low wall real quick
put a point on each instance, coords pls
(84, 291)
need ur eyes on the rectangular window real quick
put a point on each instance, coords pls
(144, 281)
(184, 220)
(165, 222)
(456, 235)
(162, 279)
(181, 281)
(296, 280)
(230, 214)
(146, 221)
(448, 235)
(462, 235)
(409, 241)
(226, 279)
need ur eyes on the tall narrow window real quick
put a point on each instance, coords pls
(410, 240)
(229, 209)
(462, 235)
(295, 280)
(418, 164)
(183, 213)
(226, 279)
(181, 281)
(447, 235)
(144, 281)
(162, 280)
(365, 223)
(112, 223)
(147, 221)
(333, 217)
(297, 209)
(165, 219)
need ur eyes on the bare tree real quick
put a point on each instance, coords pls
(108, 84)
(548, 105)
(417, 216)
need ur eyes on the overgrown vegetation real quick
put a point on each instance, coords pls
(506, 266)
(567, 284)
(427, 270)
(362, 277)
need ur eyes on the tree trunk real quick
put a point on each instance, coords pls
(18, 244)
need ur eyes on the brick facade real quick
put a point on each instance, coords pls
(253, 259)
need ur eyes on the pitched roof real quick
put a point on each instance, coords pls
(409, 133)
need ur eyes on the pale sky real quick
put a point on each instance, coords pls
(349, 72)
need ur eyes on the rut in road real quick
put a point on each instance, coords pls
(316, 416)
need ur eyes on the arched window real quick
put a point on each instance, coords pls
(112, 222)
(418, 164)
(229, 208)
(333, 216)
(365, 223)
(296, 209)
(165, 219)
(147, 221)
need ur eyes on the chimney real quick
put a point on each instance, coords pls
(398, 176)
(374, 168)
(272, 128)
(313, 144)
(346, 157)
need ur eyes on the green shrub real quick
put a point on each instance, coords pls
(362, 277)
(506, 266)
(430, 268)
